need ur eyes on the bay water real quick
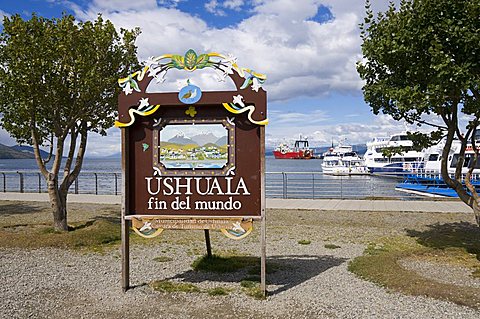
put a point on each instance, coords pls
(284, 179)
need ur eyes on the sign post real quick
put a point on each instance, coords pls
(193, 159)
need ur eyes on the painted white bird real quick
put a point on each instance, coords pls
(146, 227)
(237, 227)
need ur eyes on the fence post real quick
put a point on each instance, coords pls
(76, 184)
(96, 183)
(4, 183)
(284, 184)
(39, 183)
(372, 187)
(116, 178)
(341, 187)
(21, 181)
(313, 185)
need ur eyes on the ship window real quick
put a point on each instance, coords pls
(399, 138)
(466, 163)
(469, 159)
(433, 157)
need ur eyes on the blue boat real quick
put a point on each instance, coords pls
(431, 185)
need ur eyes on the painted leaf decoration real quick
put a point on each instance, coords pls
(245, 84)
(134, 85)
(190, 59)
(177, 61)
(202, 61)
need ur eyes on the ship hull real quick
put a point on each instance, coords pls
(290, 155)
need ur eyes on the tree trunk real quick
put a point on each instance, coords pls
(476, 212)
(58, 201)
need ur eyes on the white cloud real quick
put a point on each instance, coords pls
(101, 146)
(292, 10)
(233, 4)
(213, 6)
(5, 138)
(299, 57)
(217, 7)
(122, 5)
(315, 126)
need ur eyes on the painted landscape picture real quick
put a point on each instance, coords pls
(199, 146)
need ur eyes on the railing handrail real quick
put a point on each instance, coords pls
(287, 184)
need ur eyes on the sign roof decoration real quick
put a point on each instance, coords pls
(157, 68)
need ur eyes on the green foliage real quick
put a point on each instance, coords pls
(249, 284)
(58, 81)
(162, 259)
(223, 264)
(57, 72)
(332, 246)
(304, 242)
(170, 286)
(255, 292)
(423, 59)
(218, 291)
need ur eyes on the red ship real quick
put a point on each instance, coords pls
(299, 151)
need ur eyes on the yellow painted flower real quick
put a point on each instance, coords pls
(191, 111)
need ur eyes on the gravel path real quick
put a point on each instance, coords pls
(312, 281)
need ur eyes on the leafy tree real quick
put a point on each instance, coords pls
(422, 61)
(57, 83)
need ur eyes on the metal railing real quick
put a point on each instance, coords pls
(316, 185)
(313, 185)
(99, 183)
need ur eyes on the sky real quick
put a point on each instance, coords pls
(307, 49)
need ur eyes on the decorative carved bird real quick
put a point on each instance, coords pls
(190, 94)
(187, 95)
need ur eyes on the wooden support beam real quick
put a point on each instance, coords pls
(263, 225)
(125, 223)
(207, 243)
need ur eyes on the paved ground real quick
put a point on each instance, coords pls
(312, 204)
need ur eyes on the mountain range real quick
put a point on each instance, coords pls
(18, 152)
(199, 139)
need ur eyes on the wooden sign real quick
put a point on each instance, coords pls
(192, 159)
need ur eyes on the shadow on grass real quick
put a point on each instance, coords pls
(19, 208)
(283, 272)
(442, 236)
(82, 225)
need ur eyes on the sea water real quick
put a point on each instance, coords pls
(285, 179)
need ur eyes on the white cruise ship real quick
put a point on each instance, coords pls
(396, 165)
(434, 157)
